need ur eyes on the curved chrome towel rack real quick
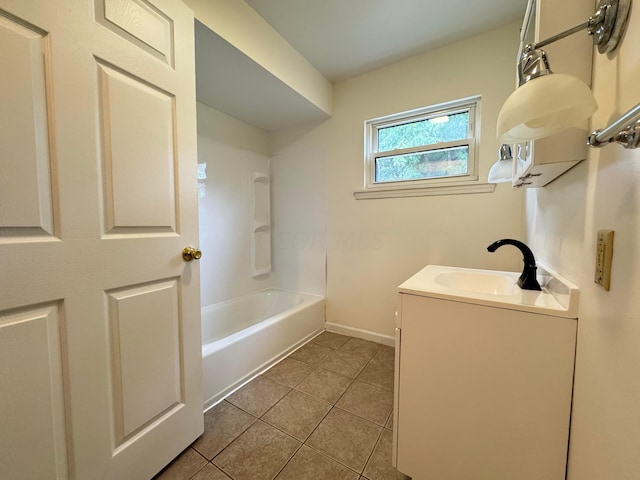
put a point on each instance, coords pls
(625, 131)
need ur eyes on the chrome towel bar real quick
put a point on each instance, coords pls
(625, 130)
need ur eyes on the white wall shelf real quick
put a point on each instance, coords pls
(261, 218)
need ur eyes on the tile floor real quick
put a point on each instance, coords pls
(322, 413)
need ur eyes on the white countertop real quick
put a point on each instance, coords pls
(558, 297)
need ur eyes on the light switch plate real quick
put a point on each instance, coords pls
(604, 257)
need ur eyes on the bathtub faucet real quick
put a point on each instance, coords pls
(527, 280)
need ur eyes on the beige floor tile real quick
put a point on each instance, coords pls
(222, 424)
(330, 339)
(297, 414)
(345, 362)
(379, 465)
(257, 454)
(339, 442)
(379, 372)
(345, 438)
(367, 401)
(183, 466)
(366, 348)
(325, 385)
(258, 396)
(387, 352)
(210, 472)
(310, 465)
(312, 353)
(289, 372)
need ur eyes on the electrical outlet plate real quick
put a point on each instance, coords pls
(604, 257)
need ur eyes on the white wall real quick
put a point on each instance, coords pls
(562, 222)
(232, 150)
(373, 245)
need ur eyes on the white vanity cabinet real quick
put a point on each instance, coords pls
(483, 390)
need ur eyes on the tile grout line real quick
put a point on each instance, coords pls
(363, 418)
(329, 456)
(342, 410)
(257, 419)
(333, 405)
(372, 451)
(194, 473)
(232, 442)
(332, 459)
(289, 459)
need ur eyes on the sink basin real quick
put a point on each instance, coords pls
(478, 282)
(558, 297)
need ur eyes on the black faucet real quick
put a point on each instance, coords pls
(527, 280)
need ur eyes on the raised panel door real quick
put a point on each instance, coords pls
(99, 314)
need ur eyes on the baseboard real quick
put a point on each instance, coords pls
(359, 333)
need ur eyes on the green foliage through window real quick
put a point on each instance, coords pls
(409, 149)
(445, 128)
(432, 164)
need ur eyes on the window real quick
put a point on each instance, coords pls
(426, 148)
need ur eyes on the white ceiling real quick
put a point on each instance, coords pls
(343, 38)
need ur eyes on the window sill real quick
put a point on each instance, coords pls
(425, 191)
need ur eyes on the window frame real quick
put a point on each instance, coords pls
(470, 104)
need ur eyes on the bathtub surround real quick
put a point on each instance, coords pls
(237, 226)
(234, 152)
(313, 416)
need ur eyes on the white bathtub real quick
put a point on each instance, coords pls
(245, 335)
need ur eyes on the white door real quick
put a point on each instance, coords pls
(100, 363)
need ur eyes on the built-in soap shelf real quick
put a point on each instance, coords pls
(261, 218)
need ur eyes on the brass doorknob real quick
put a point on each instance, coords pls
(190, 253)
